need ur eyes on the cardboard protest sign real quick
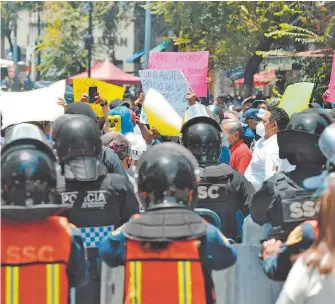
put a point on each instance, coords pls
(170, 83)
(331, 86)
(194, 66)
(161, 114)
(296, 97)
(108, 91)
(35, 105)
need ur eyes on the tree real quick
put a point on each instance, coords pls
(235, 31)
(9, 10)
(62, 43)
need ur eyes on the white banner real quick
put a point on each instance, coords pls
(35, 105)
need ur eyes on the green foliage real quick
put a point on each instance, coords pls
(232, 30)
(62, 44)
(9, 10)
(316, 70)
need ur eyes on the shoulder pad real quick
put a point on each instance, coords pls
(222, 170)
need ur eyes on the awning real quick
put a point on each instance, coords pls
(139, 56)
(261, 78)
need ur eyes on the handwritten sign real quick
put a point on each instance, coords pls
(171, 84)
(108, 91)
(194, 66)
(331, 86)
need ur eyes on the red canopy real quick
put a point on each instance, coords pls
(108, 72)
(262, 78)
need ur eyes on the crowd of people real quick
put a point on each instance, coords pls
(84, 196)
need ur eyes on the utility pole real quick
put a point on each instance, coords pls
(15, 57)
(147, 37)
(38, 74)
(89, 38)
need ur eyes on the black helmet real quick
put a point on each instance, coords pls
(201, 134)
(299, 141)
(28, 175)
(166, 177)
(77, 142)
(216, 111)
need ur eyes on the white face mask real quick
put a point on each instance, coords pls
(260, 129)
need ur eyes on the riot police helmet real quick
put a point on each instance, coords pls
(78, 144)
(216, 111)
(201, 134)
(28, 175)
(167, 177)
(299, 141)
(327, 143)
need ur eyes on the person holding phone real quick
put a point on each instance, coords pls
(94, 97)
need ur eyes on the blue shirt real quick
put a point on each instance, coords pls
(215, 253)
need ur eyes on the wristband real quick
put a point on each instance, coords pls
(105, 104)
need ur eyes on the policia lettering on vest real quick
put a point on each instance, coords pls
(100, 201)
(42, 255)
(170, 246)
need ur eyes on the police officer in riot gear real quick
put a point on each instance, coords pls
(221, 189)
(284, 201)
(216, 111)
(34, 237)
(101, 201)
(153, 246)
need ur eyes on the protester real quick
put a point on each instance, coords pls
(240, 155)
(221, 188)
(265, 160)
(42, 255)
(246, 104)
(157, 247)
(120, 145)
(260, 104)
(312, 278)
(100, 201)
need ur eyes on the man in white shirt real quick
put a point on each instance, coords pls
(265, 160)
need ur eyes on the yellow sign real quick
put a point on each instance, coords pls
(296, 97)
(108, 91)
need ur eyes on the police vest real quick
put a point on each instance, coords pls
(296, 203)
(93, 211)
(216, 192)
(34, 257)
(171, 275)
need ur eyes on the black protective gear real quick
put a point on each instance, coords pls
(299, 141)
(28, 175)
(201, 134)
(216, 111)
(77, 142)
(167, 177)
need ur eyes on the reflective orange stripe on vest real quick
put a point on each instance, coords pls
(33, 263)
(173, 275)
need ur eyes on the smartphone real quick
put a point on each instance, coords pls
(92, 92)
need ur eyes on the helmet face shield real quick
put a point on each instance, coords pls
(327, 143)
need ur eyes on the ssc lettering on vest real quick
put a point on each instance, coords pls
(28, 254)
(208, 192)
(92, 199)
(306, 209)
(297, 211)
